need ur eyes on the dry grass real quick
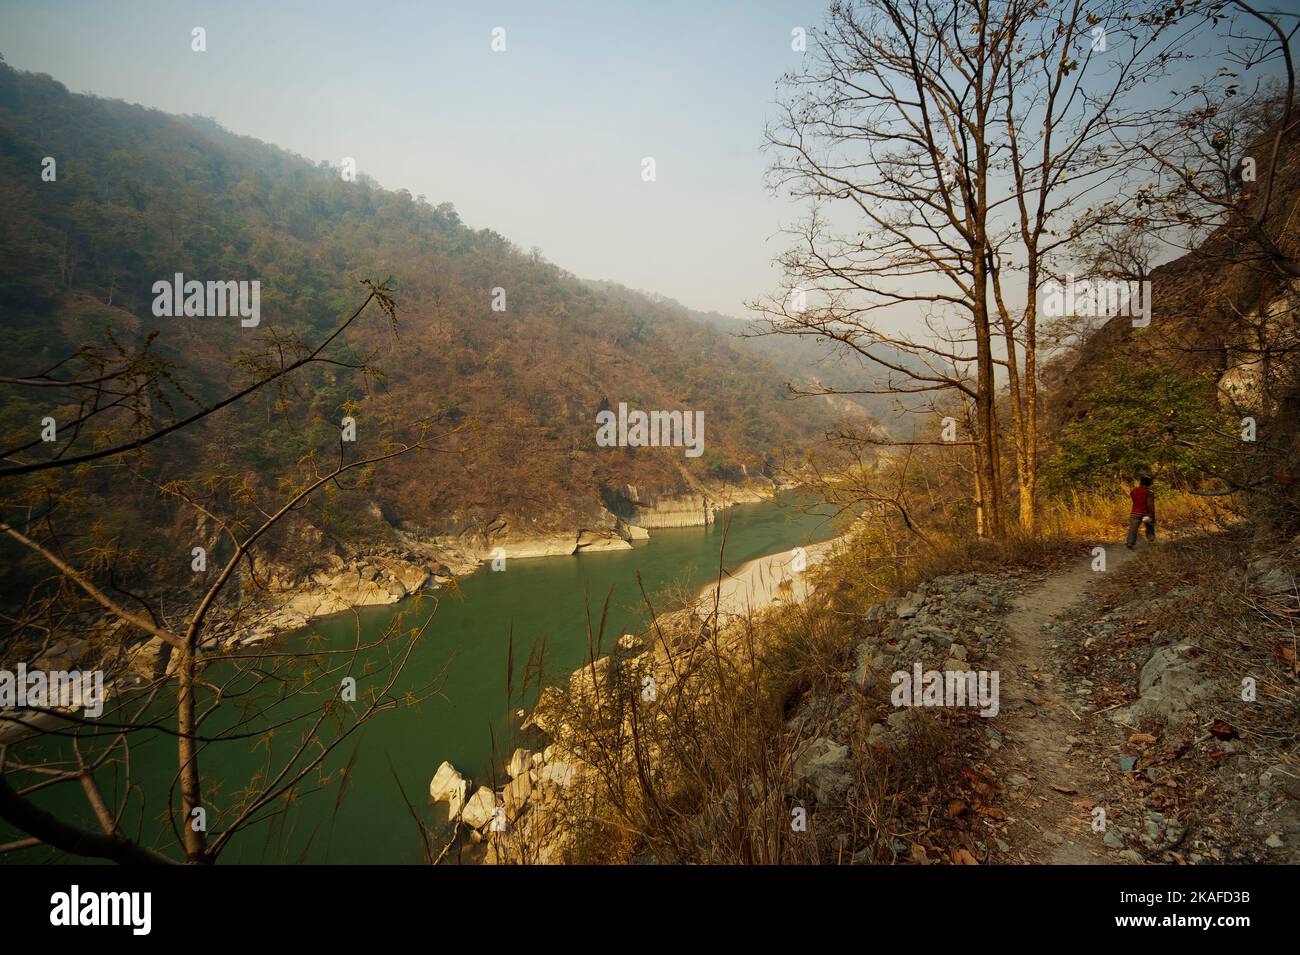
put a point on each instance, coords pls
(702, 773)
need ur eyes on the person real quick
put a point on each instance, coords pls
(1143, 513)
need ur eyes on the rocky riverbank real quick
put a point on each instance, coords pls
(763, 582)
(283, 599)
(1131, 717)
(528, 813)
(311, 578)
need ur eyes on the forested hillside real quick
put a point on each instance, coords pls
(141, 195)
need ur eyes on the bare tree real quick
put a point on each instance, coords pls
(1215, 160)
(209, 685)
(948, 152)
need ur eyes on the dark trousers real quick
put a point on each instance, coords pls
(1134, 522)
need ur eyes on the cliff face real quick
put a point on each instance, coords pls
(694, 508)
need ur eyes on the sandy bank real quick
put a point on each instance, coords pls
(764, 581)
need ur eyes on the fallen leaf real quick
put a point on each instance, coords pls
(1221, 729)
(1083, 803)
(1142, 738)
(955, 808)
(962, 857)
(978, 782)
(1063, 789)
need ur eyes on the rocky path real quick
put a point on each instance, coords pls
(1049, 784)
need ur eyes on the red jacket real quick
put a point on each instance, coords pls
(1141, 500)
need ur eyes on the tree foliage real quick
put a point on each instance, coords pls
(1142, 419)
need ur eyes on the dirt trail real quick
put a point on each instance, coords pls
(1050, 785)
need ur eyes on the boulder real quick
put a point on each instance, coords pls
(517, 792)
(598, 540)
(412, 577)
(824, 764)
(559, 774)
(547, 711)
(583, 681)
(1170, 683)
(908, 607)
(519, 762)
(448, 784)
(478, 811)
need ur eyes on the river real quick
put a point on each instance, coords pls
(465, 648)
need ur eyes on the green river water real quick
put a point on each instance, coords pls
(465, 648)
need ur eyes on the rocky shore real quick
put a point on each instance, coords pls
(271, 597)
(527, 813)
(760, 583)
(1117, 727)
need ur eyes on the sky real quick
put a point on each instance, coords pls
(543, 142)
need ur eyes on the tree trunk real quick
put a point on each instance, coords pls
(191, 799)
(986, 420)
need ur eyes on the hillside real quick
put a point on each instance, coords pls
(807, 365)
(1222, 312)
(141, 195)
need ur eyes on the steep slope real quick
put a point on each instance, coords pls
(1226, 313)
(140, 196)
(1222, 310)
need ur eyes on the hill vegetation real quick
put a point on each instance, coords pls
(140, 195)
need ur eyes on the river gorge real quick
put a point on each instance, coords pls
(463, 651)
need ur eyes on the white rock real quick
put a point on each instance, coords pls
(559, 774)
(519, 762)
(478, 811)
(448, 784)
(517, 792)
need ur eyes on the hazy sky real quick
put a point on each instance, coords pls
(542, 142)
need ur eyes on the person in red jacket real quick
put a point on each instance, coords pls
(1144, 512)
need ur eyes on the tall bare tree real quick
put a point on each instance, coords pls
(949, 152)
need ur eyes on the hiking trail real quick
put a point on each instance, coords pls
(1050, 787)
